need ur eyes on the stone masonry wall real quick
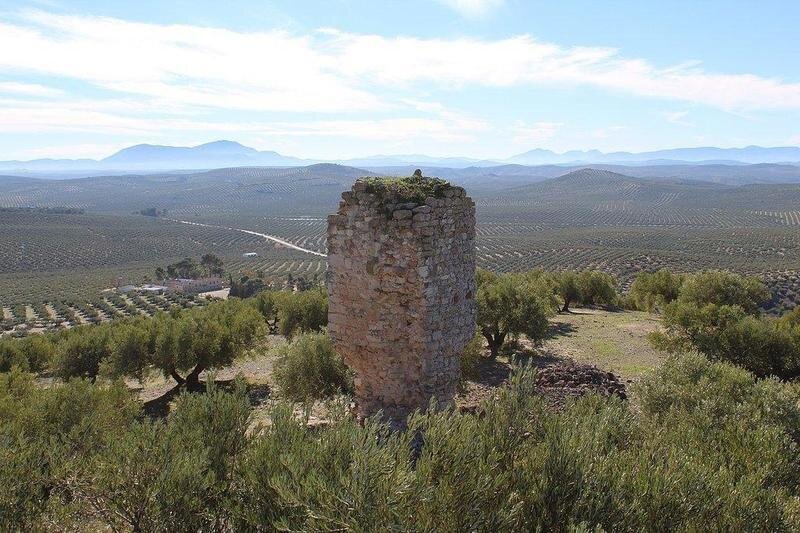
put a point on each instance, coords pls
(401, 281)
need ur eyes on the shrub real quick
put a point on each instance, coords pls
(309, 369)
(174, 475)
(597, 288)
(289, 312)
(80, 352)
(710, 446)
(414, 188)
(303, 311)
(727, 333)
(471, 357)
(791, 319)
(269, 304)
(724, 288)
(42, 432)
(652, 290)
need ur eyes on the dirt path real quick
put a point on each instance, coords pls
(264, 235)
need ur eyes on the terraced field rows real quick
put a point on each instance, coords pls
(54, 315)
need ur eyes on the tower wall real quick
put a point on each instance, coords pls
(401, 282)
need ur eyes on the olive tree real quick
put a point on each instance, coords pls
(724, 288)
(512, 304)
(727, 333)
(588, 287)
(200, 339)
(655, 289)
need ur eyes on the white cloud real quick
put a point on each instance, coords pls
(523, 60)
(676, 117)
(28, 89)
(23, 116)
(196, 66)
(332, 71)
(794, 140)
(151, 81)
(533, 134)
(472, 8)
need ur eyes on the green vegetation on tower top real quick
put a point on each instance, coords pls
(414, 188)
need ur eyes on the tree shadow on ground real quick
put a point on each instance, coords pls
(257, 393)
(491, 372)
(560, 329)
(536, 358)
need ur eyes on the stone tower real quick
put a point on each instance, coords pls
(401, 281)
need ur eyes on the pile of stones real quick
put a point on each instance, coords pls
(570, 379)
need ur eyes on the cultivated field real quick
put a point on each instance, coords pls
(588, 218)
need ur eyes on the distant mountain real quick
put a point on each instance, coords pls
(709, 155)
(416, 160)
(150, 157)
(210, 155)
(228, 154)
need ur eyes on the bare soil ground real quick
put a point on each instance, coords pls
(222, 293)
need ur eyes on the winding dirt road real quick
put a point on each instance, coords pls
(263, 235)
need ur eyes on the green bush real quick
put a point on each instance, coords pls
(173, 475)
(709, 447)
(309, 368)
(727, 333)
(471, 357)
(525, 467)
(414, 188)
(588, 287)
(43, 432)
(80, 352)
(303, 311)
(653, 290)
(724, 288)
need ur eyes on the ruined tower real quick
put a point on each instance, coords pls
(401, 259)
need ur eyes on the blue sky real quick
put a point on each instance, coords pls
(339, 79)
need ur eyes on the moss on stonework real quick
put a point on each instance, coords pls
(409, 189)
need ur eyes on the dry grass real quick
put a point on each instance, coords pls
(614, 341)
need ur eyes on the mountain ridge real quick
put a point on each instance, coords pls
(226, 153)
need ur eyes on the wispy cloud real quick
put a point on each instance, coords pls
(23, 116)
(472, 8)
(112, 76)
(332, 71)
(523, 60)
(28, 89)
(676, 117)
